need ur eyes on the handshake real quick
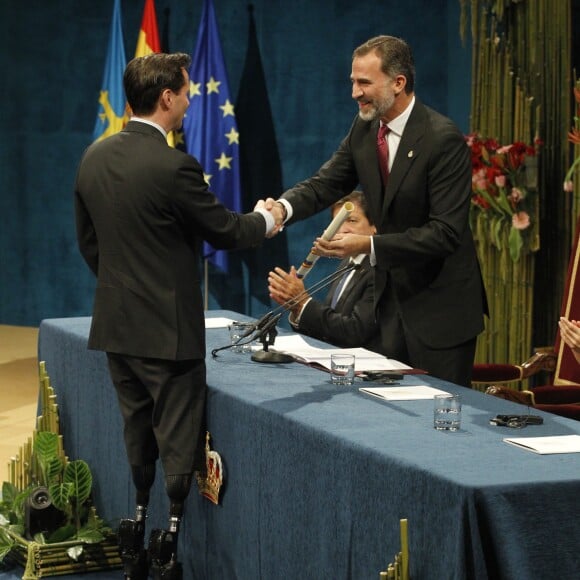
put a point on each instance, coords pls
(277, 210)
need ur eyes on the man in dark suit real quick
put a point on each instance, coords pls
(346, 316)
(142, 211)
(429, 293)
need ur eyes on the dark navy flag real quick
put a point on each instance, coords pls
(261, 170)
(209, 128)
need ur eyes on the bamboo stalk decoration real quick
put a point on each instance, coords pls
(516, 97)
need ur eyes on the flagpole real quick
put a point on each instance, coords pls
(206, 284)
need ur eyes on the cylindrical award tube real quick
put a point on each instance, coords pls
(328, 234)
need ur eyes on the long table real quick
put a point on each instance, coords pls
(317, 477)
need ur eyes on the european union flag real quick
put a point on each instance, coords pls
(112, 116)
(209, 128)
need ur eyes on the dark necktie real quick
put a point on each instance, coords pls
(383, 152)
(340, 286)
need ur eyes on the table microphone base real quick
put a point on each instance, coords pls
(267, 356)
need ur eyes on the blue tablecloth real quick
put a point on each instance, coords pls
(318, 476)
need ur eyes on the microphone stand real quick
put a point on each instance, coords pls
(264, 329)
(267, 336)
(268, 333)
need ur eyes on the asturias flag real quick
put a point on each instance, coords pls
(111, 117)
(210, 129)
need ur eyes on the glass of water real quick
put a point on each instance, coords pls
(447, 412)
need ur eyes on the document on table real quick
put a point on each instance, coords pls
(411, 393)
(218, 322)
(547, 445)
(365, 360)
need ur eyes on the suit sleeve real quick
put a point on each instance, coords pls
(222, 228)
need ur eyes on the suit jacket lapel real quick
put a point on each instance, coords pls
(409, 149)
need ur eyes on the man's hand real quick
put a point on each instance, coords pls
(284, 286)
(278, 212)
(342, 246)
(570, 333)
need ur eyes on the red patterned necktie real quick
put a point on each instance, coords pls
(383, 152)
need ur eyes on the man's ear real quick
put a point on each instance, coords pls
(166, 99)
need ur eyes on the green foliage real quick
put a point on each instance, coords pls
(69, 487)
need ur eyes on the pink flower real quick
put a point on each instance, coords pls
(521, 220)
(500, 180)
(504, 149)
(568, 186)
(516, 195)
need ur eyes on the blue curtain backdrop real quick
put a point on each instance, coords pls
(52, 58)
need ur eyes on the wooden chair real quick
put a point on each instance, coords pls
(562, 395)
(399, 568)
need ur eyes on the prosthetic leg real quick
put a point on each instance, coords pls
(163, 543)
(132, 532)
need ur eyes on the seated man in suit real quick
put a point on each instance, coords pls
(346, 317)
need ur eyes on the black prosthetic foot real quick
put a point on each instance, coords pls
(133, 554)
(163, 556)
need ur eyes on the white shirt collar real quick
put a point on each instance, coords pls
(397, 125)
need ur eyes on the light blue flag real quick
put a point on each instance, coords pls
(209, 128)
(112, 117)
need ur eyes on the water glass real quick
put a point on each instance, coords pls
(237, 330)
(447, 412)
(342, 369)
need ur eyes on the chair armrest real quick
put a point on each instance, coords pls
(523, 397)
(543, 359)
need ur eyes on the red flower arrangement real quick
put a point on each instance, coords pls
(500, 192)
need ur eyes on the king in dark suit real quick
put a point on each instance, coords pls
(142, 211)
(346, 316)
(429, 293)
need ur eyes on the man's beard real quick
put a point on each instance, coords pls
(377, 110)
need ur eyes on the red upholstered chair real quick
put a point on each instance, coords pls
(562, 395)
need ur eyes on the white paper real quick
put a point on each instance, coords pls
(218, 322)
(411, 393)
(548, 445)
(365, 360)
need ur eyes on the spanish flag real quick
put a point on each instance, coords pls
(148, 41)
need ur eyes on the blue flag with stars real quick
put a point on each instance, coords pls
(111, 116)
(209, 127)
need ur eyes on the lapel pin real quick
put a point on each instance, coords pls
(410, 154)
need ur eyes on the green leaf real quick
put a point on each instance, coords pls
(45, 446)
(78, 474)
(496, 231)
(53, 469)
(90, 535)
(515, 244)
(62, 534)
(6, 544)
(9, 493)
(60, 494)
(75, 552)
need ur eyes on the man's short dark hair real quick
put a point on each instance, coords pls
(357, 197)
(146, 77)
(396, 57)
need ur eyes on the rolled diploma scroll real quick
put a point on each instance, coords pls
(328, 234)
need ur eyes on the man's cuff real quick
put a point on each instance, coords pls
(372, 256)
(270, 223)
(295, 319)
(288, 207)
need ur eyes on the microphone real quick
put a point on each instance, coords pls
(268, 332)
(265, 327)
